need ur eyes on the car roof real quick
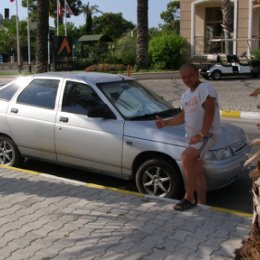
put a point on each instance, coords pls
(92, 77)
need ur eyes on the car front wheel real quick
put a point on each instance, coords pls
(9, 154)
(159, 178)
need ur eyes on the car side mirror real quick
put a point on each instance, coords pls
(101, 111)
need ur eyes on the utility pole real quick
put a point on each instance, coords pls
(28, 38)
(17, 40)
(65, 17)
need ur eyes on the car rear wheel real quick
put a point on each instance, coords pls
(9, 154)
(216, 75)
(254, 75)
(159, 178)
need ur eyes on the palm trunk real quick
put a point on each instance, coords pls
(142, 60)
(42, 36)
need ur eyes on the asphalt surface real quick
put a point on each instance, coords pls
(45, 217)
(234, 94)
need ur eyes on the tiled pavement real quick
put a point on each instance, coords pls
(44, 217)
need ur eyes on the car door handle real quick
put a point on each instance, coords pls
(14, 110)
(64, 119)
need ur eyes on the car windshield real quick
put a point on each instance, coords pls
(133, 101)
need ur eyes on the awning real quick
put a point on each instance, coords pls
(95, 38)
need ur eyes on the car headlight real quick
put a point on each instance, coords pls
(221, 154)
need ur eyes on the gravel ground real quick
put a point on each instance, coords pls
(233, 94)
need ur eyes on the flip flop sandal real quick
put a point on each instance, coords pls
(184, 205)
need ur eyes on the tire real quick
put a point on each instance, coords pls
(9, 154)
(159, 178)
(254, 75)
(216, 75)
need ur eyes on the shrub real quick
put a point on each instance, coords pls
(256, 54)
(167, 51)
(125, 50)
(82, 63)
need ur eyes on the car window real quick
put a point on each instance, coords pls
(40, 92)
(79, 97)
(6, 93)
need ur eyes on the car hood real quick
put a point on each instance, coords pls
(147, 130)
(175, 135)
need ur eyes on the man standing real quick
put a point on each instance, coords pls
(201, 116)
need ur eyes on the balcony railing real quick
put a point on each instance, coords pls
(204, 45)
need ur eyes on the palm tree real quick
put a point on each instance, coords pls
(227, 22)
(88, 11)
(142, 60)
(42, 36)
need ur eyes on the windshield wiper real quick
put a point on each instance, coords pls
(165, 113)
(145, 116)
(169, 112)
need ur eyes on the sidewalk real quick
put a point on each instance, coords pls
(45, 217)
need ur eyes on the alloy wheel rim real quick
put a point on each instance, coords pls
(157, 181)
(6, 153)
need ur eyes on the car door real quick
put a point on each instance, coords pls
(94, 143)
(31, 118)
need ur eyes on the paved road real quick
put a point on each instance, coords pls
(233, 94)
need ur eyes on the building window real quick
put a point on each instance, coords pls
(214, 30)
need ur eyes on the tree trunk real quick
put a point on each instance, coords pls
(42, 36)
(142, 60)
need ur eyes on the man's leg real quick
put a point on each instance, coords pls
(192, 169)
(201, 184)
(190, 158)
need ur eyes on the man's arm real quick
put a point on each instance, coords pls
(176, 120)
(209, 106)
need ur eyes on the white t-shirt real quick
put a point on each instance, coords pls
(192, 104)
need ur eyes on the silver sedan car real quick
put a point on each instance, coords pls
(105, 123)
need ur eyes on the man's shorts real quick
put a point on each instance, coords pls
(203, 146)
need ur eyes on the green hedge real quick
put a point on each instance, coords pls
(167, 51)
